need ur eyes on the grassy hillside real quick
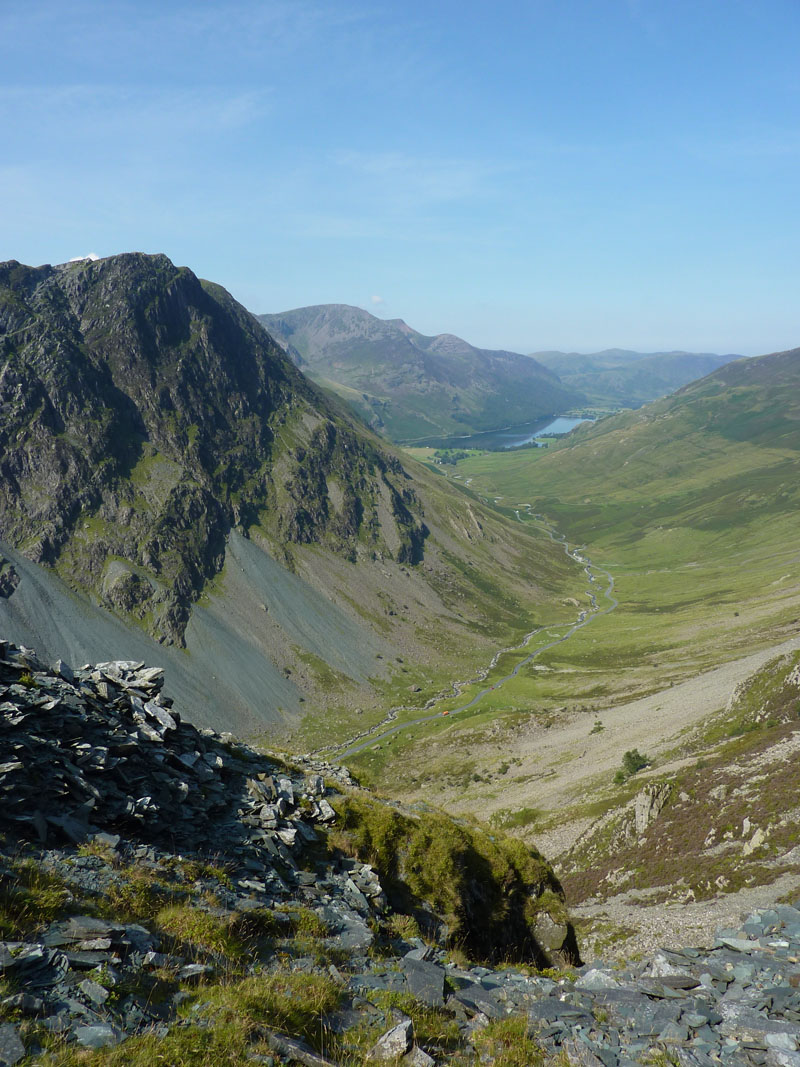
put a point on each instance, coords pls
(691, 505)
(410, 386)
(621, 379)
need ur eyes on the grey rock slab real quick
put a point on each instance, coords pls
(99, 1035)
(11, 1048)
(597, 979)
(785, 1042)
(781, 1058)
(738, 944)
(664, 964)
(393, 1044)
(425, 981)
(193, 972)
(547, 1011)
(418, 1057)
(476, 999)
(94, 991)
(353, 936)
(674, 1033)
(393, 981)
(692, 1057)
(289, 1048)
(24, 1002)
(741, 1021)
(580, 1055)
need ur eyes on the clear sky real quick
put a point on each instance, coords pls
(572, 174)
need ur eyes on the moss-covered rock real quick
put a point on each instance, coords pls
(481, 890)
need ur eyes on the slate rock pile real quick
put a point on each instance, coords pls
(99, 777)
(737, 1003)
(101, 748)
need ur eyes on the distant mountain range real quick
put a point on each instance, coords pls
(618, 378)
(410, 386)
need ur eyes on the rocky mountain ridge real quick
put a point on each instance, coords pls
(409, 385)
(167, 475)
(146, 408)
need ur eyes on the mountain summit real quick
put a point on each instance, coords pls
(411, 386)
(144, 414)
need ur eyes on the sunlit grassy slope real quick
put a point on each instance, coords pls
(692, 504)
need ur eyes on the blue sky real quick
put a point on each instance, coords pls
(571, 174)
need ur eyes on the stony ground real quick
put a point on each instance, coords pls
(166, 894)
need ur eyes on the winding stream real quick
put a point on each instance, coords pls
(371, 737)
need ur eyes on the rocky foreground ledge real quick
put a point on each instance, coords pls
(170, 895)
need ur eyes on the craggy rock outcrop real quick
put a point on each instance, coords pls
(9, 579)
(144, 414)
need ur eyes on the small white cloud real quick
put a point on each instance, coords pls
(79, 259)
(376, 300)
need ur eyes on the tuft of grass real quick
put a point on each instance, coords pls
(515, 818)
(506, 1043)
(226, 1044)
(403, 926)
(305, 923)
(189, 927)
(30, 899)
(235, 935)
(137, 898)
(432, 1026)
(234, 1023)
(293, 1002)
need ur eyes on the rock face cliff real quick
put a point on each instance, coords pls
(145, 414)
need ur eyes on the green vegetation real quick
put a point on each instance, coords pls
(506, 1043)
(733, 811)
(30, 899)
(515, 818)
(449, 456)
(410, 386)
(432, 1026)
(632, 761)
(237, 1014)
(489, 888)
(691, 503)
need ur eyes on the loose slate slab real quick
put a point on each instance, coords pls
(99, 1035)
(11, 1048)
(393, 1044)
(425, 981)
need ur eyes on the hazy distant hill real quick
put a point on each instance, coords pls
(411, 386)
(620, 378)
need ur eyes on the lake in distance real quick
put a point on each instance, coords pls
(510, 437)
